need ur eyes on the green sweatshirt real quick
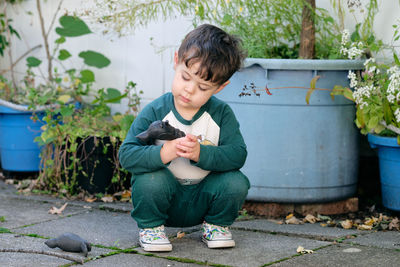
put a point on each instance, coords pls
(215, 122)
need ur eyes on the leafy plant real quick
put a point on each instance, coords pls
(68, 128)
(376, 92)
(269, 29)
(75, 111)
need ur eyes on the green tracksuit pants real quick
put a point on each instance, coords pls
(159, 199)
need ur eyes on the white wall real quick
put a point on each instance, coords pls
(133, 58)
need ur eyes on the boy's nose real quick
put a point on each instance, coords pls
(189, 88)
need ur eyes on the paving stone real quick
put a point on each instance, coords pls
(252, 248)
(20, 212)
(307, 229)
(113, 229)
(389, 239)
(135, 260)
(12, 241)
(345, 255)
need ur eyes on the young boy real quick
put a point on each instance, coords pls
(194, 179)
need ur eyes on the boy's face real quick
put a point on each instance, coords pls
(189, 90)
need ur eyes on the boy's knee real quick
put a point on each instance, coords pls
(237, 183)
(156, 182)
(233, 183)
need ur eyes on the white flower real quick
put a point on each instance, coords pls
(391, 98)
(397, 114)
(398, 97)
(363, 104)
(354, 51)
(370, 60)
(353, 79)
(345, 36)
(394, 84)
(393, 69)
(361, 93)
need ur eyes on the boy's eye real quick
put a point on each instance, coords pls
(202, 89)
(185, 77)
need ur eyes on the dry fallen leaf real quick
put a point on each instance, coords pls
(90, 199)
(275, 221)
(346, 224)
(311, 219)
(394, 224)
(293, 220)
(324, 218)
(364, 227)
(289, 216)
(9, 181)
(180, 234)
(302, 250)
(370, 221)
(107, 198)
(54, 210)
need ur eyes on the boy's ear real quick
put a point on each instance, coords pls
(175, 59)
(222, 87)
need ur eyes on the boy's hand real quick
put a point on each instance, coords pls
(188, 147)
(169, 150)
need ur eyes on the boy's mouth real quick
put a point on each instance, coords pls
(184, 99)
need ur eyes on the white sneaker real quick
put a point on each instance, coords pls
(217, 236)
(154, 239)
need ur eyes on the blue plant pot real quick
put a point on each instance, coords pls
(297, 153)
(389, 168)
(19, 152)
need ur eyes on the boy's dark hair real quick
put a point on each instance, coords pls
(220, 55)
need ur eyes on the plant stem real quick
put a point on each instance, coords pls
(307, 35)
(19, 59)
(45, 39)
(14, 89)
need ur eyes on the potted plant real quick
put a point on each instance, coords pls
(298, 152)
(23, 104)
(81, 145)
(377, 97)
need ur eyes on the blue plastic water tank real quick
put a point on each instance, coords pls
(297, 153)
(18, 150)
(389, 169)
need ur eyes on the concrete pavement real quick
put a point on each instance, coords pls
(26, 224)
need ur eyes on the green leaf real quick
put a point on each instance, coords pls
(60, 40)
(347, 93)
(114, 96)
(314, 81)
(112, 93)
(387, 111)
(64, 98)
(373, 122)
(72, 26)
(227, 19)
(360, 121)
(312, 88)
(355, 36)
(94, 59)
(379, 128)
(64, 54)
(87, 76)
(126, 122)
(33, 62)
(66, 111)
(396, 59)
